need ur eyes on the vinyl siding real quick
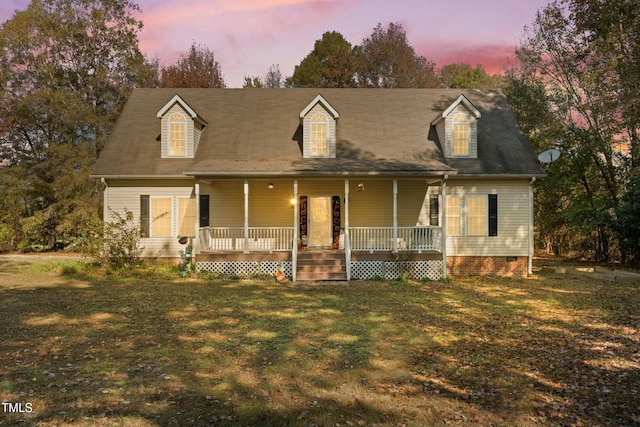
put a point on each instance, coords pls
(513, 218)
(126, 194)
(372, 207)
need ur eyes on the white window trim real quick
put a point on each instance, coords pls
(183, 122)
(460, 215)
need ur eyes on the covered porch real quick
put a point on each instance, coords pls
(267, 220)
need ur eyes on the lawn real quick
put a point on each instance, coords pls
(146, 348)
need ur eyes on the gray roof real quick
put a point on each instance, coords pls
(253, 132)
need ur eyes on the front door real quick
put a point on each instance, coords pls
(320, 225)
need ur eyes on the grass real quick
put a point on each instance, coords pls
(145, 348)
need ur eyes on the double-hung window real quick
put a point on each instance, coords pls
(177, 135)
(157, 214)
(477, 216)
(453, 215)
(319, 127)
(460, 135)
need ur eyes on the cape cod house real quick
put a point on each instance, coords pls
(327, 183)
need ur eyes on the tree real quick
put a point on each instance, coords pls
(331, 63)
(66, 69)
(387, 60)
(272, 80)
(570, 58)
(462, 75)
(197, 68)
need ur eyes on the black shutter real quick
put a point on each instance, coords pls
(144, 216)
(434, 210)
(204, 210)
(493, 214)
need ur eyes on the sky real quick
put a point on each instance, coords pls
(248, 36)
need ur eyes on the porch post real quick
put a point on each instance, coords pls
(531, 219)
(347, 241)
(296, 224)
(395, 216)
(197, 238)
(443, 232)
(246, 216)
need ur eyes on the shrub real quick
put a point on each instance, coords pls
(119, 243)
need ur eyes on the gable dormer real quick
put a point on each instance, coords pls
(457, 129)
(319, 121)
(180, 129)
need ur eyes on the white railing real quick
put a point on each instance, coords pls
(376, 239)
(232, 239)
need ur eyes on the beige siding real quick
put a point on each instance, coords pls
(513, 217)
(372, 207)
(126, 194)
(412, 196)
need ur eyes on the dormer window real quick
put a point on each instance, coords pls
(319, 125)
(457, 129)
(319, 128)
(460, 135)
(177, 135)
(180, 129)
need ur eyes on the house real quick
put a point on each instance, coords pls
(327, 183)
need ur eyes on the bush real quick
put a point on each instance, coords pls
(119, 243)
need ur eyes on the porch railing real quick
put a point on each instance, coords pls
(232, 239)
(376, 239)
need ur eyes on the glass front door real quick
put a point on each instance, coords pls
(320, 222)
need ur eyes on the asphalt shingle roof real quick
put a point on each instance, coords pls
(258, 132)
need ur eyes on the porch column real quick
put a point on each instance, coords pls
(443, 232)
(395, 216)
(197, 238)
(347, 241)
(246, 216)
(296, 224)
(531, 219)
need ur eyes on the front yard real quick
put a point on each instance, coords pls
(146, 348)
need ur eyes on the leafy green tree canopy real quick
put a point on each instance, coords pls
(66, 70)
(461, 75)
(331, 63)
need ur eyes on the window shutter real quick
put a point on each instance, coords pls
(144, 216)
(204, 210)
(434, 210)
(493, 214)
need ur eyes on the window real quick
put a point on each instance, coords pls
(460, 135)
(319, 126)
(177, 135)
(186, 216)
(161, 216)
(477, 216)
(453, 216)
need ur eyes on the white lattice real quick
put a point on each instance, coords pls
(367, 270)
(244, 268)
(391, 270)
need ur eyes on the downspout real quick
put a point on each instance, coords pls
(443, 232)
(105, 200)
(531, 249)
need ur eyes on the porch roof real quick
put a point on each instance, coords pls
(379, 132)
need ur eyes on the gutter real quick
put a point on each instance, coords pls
(531, 219)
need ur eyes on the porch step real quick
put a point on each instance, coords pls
(321, 265)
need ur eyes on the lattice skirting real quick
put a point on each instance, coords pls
(390, 270)
(245, 268)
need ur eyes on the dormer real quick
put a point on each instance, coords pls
(457, 129)
(180, 129)
(318, 120)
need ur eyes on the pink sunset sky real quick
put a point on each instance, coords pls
(247, 36)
